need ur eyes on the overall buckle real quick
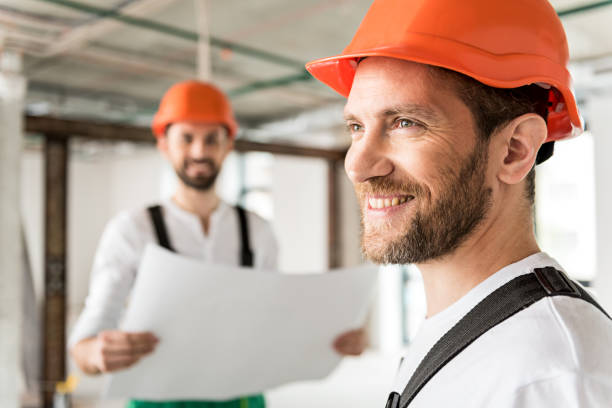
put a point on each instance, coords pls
(555, 282)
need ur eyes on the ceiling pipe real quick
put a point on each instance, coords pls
(135, 63)
(270, 83)
(126, 61)
(581, 9)
(91, 94)
(13, 16)
(78, 36)
(28, 43)
(177, 32)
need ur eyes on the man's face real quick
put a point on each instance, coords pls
(418, 166)
(196, 151)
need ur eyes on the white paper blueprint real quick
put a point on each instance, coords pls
(228, 332)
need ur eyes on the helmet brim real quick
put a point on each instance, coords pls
(518, 70)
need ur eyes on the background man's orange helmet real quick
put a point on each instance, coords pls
(503, 44)
(194, 101)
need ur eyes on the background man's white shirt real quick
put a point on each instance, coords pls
(556, 353)
(126, 236)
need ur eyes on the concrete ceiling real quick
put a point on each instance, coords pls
(113, 59)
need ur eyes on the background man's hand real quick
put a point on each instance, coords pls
(112, 350)
(351, 343)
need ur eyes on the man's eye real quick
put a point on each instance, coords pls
(187, 137)
(405, 123)
(354, 127)
(212, 140)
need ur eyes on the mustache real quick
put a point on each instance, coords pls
(384, 185)
(205, 160)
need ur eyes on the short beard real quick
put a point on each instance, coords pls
(463, 204)
(201, 183)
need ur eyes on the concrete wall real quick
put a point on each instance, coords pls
(299, 188)
(598, 113)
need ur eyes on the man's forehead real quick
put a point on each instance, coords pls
(385, 85)
(196, 126)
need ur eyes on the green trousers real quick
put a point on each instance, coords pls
(256, 401)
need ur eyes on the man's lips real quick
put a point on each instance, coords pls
(381, 202)
(200, 167)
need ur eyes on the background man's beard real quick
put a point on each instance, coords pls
(200, 183)
(462, 205)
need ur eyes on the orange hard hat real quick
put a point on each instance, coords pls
(503, 44)
(194, 101)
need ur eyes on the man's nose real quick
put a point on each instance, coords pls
(366, 158)
(198, 149)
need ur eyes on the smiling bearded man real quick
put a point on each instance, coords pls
(432, 232)
(450, 106)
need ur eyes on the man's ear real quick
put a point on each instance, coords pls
(520, 141)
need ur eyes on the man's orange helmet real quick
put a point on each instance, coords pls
(503, 44)
(194, 101)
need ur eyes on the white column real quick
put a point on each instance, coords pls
(204, 62)
(12, 93)
(599, 118)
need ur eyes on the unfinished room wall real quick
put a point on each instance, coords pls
(565, 185)
(32, 213)
(88, 210)
(299, 188)
(100, 185)
(598, 114)
(136, 179)
(100, 189)
(349, 221)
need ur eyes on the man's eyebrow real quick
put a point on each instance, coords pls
(349, 117)
(419, 111)
(413, 109)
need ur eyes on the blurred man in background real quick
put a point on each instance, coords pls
(195, 129)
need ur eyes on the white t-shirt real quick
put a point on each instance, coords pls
(556, 353)
(126, 236)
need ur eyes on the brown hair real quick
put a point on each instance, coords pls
(493, 108)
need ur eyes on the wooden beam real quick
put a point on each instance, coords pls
(333, 216)
(54, 312)
(66, 128)
(291, 150)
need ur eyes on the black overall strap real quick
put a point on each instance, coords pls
(511, 298)
(157, 218)
(246, 254)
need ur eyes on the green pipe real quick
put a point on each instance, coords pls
(270, 83)
(177, 32)
(580, 9)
